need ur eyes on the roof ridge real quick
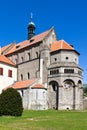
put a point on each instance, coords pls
(9, 47)
(68, 44)
(36, 39)
(62, 44)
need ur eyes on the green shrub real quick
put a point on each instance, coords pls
(11, 103)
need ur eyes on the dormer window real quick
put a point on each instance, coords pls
(17, 46)
(31, 40)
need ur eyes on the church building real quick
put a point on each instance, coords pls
(44, 70)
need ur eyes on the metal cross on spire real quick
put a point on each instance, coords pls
(31, 16)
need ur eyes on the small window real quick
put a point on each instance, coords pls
(28, 76)
(67, 58)
(56, 71)
(9, 73)
(15, 61)
(68, 70)
(17, 46)
(28, 56)
(55, 59)
(76, 59)
(21, 76)
(37, 55)
(79, 72)
(50, 72)
(31, 40)
(22, 93)
(22, 59)
(1, 71)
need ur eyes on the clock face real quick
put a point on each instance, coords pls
(67, 84)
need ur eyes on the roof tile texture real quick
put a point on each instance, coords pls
(60, 45)
(5, 60)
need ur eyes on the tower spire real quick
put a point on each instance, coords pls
(31, 27)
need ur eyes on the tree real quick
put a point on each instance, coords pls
(85, 89)
(11, 103)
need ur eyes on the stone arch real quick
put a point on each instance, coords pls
(53, 94)
(69, 84)
(70, 81)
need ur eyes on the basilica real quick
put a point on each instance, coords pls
(44, 70)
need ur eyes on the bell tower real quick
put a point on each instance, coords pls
(31, 28)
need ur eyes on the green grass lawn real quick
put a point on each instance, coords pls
(46, 120)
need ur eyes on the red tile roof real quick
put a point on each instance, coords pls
(60, 45)
(22, 84)
(4, 48)
(38, 86)
(33, 40)
(5, 60)
(26, 84)
(7, 48)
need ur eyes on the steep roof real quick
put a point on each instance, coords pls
(4, 48)
(7, 48)
(5, 60)
(34, 40)
(22, 84)
(60, 45)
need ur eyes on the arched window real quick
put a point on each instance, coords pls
(22, 59)
(79, 83)
(37, 55)
(29, 56)
(15, 61)
(28, 75)
(21, 76)
(55, 59)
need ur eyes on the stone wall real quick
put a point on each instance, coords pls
(85, 103)
(31, 68)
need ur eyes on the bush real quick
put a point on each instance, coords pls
(85, 90)
(11, 103)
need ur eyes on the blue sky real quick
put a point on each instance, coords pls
(69, 17)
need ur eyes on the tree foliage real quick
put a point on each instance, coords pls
(11, 103)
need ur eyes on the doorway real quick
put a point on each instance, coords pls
(53, 95)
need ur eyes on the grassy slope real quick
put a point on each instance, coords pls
(46, 120)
